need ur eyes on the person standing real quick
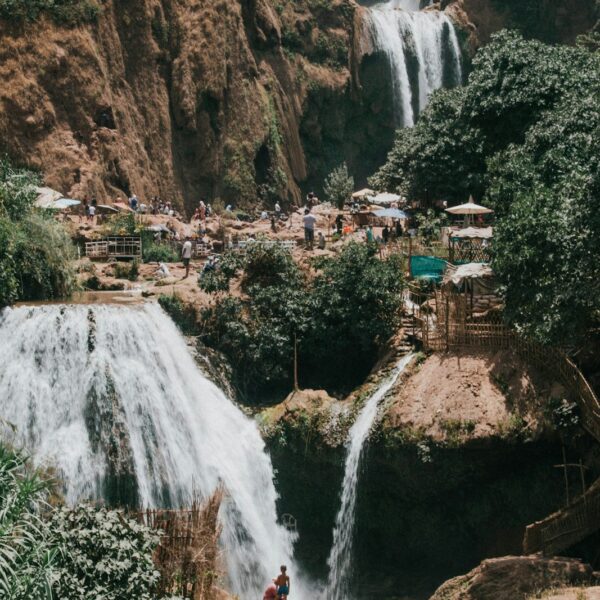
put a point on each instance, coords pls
(385, 234)
(309, 228)
(283, 584)
(186, 255)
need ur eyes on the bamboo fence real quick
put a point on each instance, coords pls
(188, 552)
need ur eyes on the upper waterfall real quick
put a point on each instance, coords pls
(423, 53)
(97, 391)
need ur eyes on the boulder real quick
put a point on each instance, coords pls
(514, 578)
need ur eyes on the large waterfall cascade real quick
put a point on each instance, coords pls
(340, 557)
(77, 381)
(423, 53)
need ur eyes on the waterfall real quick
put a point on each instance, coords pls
(340, 557)
(88, 387)
(422, 50)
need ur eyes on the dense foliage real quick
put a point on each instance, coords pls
(27, 552)
(103, 555)
(183, 314)
(338, 319)
(35, 251)
(522, 136)
(65, 12)
(85, 552)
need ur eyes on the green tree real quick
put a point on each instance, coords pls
(35, 251)
(337, 320)
(338, 186)
(513, 84)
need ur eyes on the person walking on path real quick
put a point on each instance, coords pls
(186, 255)
(309, 228)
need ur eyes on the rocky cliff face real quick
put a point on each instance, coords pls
(233, 99)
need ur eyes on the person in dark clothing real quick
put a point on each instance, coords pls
(385, 234)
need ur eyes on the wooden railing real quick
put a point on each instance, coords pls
(449, 329)
(567, 527)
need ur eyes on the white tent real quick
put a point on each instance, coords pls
(468, 271)
(46, 197)
(469, 208)
(362, 193)
(481, 233)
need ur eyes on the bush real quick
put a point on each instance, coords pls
(27, 554)
(183, 314)
(129, 271)
(122, 224)
(37, 254)
(159, 253)
(104, 555)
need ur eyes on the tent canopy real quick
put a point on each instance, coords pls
(107, 208)
(427, 267)
(362, 193)
(392, 213)
(468, 271)
(46, 197)
(469, 208)
(480, 233)
(63, 203)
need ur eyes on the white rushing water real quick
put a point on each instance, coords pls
(340, 557)
(81, 383)
(423, 53)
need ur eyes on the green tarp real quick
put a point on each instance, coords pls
(427, 267)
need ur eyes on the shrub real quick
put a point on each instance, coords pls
(159, 253)
(129, 271)
(27, 554)
(36, 257)
(103, 555)
(183, 314)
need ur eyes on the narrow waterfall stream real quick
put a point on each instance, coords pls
(99, 391)
(340, 557)
(423, 53)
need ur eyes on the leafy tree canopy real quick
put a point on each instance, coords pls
(35, 251)
(524, 137)
(339, 319)
(339, 186)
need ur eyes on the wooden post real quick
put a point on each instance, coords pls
(566, 474)
(296, 387)
(447, 323)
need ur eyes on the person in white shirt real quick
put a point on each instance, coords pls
(309, 228)
(186, 255)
